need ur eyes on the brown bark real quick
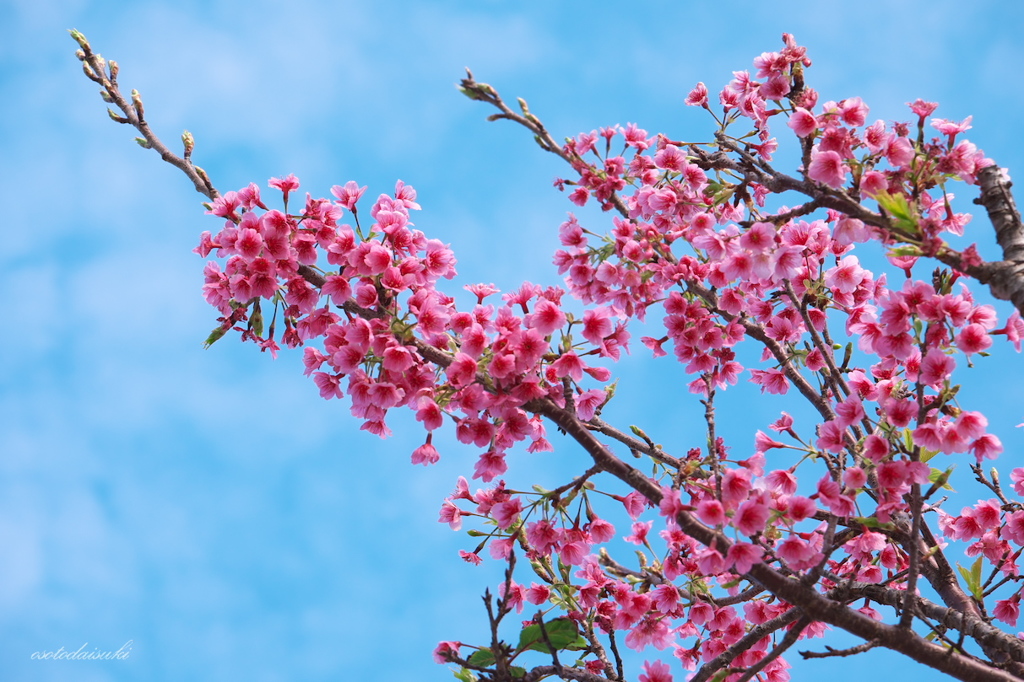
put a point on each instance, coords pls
(1004, 278)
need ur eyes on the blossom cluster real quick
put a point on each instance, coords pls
(372, 317)
(696, 245)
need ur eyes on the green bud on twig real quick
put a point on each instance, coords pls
(106, 96)
(137, 102)
(113, 68)
(89, 73)
(203, 176)
(119, 119)
(143, 142)
(189, 142)
(79, 38)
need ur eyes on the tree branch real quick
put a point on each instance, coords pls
(104, 72)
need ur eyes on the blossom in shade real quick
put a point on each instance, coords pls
(656, 671)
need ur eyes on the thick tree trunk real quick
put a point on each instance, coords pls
(1004, 278)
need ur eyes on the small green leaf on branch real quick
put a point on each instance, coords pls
(563, 633)
(973, 579)
(941, 478)
(899, 210)
(465, 674)
(483, 658)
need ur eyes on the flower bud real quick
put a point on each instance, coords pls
(79, 38)
(137, 102)
(113, 68)
(215, 336)
(119, 119)
(189, 142)
(203, 176)
(89, 73)
(256, 320)
(143, 142)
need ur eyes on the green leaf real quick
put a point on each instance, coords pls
(976, 579)
(562, 633)
(483, 658)
(972, 578)
(517, 672)
(908, 439)
(941, 477)
(873, 522)
(465, 674)
(964, 572)
(899, 210)
(899, 251)
(579, 645)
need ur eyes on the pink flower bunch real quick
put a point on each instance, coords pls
(384, 326)
(695, 246)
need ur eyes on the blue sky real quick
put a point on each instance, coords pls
(207, 505)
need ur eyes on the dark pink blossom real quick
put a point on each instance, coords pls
(698, 97)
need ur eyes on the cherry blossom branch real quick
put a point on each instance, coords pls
(977, 629)
(485, 93)
(756, 634)
(1004, 278)
(104, 72)
(813, 604)
(778, 182)
(542, 671)
(755, 170)
(830, 652)
(835, 377)
(788, 640)
(439, 348)
(634, 444)
(652, 578)
(993, 485)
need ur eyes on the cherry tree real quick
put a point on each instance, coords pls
(749, 274)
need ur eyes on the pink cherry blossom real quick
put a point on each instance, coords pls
(425, 454)
(698, 97)
(1008, 610)
(803, 122)
(827, 168)
(656, 671)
